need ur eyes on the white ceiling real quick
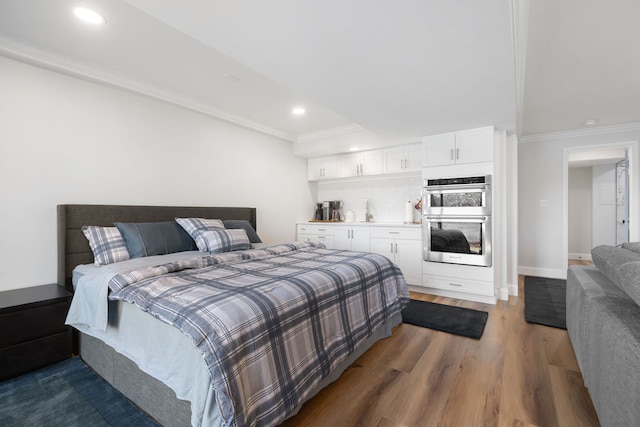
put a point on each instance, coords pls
(398, 70)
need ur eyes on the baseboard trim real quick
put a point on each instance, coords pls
(543, 272)
(452, 294)
(513, 290)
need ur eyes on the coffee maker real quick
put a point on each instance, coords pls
(332, 210)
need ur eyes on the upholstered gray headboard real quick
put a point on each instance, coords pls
(73, 247)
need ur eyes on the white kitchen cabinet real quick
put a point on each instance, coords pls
(322, 168)
(406, 158)
(469, 146)
(401, 245)
(316, 233)
(360, 164)
(354, 238)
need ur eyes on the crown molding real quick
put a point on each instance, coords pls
(600, 130)
(76, 69)
(327, 133)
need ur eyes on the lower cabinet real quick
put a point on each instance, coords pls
(316, 233)
(403, 246)
(352, 238)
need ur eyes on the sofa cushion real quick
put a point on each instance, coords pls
(632, 246)
(621, 266)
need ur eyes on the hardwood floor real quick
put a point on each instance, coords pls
(518, 374)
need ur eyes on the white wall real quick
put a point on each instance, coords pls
(65, 140)
(542, 233)
(580, 208)
(604, 205)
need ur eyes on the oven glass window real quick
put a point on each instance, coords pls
(451, 200)
(456, 237)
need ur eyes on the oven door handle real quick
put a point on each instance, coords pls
(440, 218)
(455, 188)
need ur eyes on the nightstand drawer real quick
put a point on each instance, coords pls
(33, 322)
(24, 357)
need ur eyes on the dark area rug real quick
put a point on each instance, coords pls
(68, 393)
(545, 301)
(446, 318)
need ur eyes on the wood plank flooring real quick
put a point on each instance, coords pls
(518, 374)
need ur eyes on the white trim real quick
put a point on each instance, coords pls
(77, 69)
(513, 290)
(551, 273)
(580, 257)
(599, 130)
(327, 133)
(452, 294)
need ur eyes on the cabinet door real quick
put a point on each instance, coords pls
(349, 165)
(342, 237)
(409, 259)
(393, 160)
(330, 167)
(439, 149)
(371, 162)
(475, 145)
(322, 168)
(383, 247)
(413, 158)
(314, 169)
(360, 239)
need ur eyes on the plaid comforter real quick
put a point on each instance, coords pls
(270, 323)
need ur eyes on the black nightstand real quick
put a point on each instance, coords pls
(32, 329)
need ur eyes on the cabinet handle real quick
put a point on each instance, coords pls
(457, 153)
(455, 284)
(391, 247)
(394, 232)
(451, 152)
(396, 248)
(321, 229)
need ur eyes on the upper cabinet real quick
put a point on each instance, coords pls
(322, 168)
(469, 146)
(360, 164)
(400, 159)
(407, 158)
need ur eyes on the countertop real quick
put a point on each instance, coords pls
(363, 223)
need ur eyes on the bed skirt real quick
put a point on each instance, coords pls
(160, 401)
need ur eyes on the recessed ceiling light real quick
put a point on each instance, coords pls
(590, 122)
(88, 15)
(353, 149)
(298, 111)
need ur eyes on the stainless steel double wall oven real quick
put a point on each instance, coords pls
(456, 222)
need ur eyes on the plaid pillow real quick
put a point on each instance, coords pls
(106, 243)
(219, 241)
(197, 226)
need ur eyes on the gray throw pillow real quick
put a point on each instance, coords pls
(155, 238)
(621, 266)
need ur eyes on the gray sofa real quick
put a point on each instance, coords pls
(603, 321)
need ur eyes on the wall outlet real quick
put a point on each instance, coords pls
(543, 203)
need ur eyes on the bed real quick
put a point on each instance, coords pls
(191, 369)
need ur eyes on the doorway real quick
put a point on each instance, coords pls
(622, 161)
